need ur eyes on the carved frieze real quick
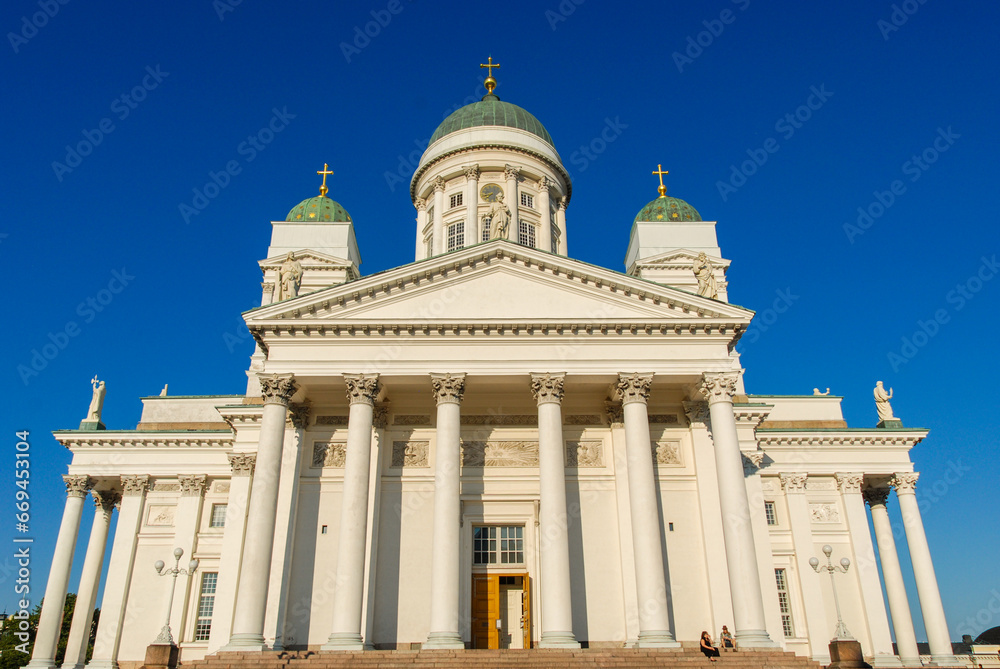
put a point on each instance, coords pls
(163, 486)
(824, 512)
(329, 454)
(582, 419)
(331, 420)
(496, 419)
(500, 454)
(221, 486)
(160, 515)
(667, 452)
(410, 453)
(585, 453)
(411, 419)
(663, 418)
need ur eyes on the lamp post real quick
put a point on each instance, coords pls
(165, 637)
(830, 568)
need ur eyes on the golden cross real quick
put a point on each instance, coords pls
(490, 82)
(323, 190)
(660, 171)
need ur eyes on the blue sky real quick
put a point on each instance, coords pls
(779, 120)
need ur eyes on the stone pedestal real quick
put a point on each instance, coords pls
(846, 654)
(91, 425)
(160, 656)
(894, 423)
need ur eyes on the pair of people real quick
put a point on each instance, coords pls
(710, 651)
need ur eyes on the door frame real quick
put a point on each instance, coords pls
(493, 637)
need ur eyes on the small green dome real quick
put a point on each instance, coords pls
(666, 208)
(491, 111)
(319, 208)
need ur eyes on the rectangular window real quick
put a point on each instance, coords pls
(498, 545)
(218, 518)
(430, 245)
(527, 201)
(206, 606)
(555, 239)
(525, 234)
(486, 229)
(455, 200)
(770, 513)
(784, 604)
(456, 235)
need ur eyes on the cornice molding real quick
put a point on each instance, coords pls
(221, 440)
(769, 439)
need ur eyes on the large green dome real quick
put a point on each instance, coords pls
(319, 208)
(666, 208)
(491, 111)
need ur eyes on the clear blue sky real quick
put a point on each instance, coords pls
(911, 102)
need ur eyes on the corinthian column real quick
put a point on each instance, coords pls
(348, 598)
(421, 250)
(472, 235)
(90, 579)
(557, 606)
(512, 174)
(255, 572)
(741, 555)
(50, 620)
(935, 624)
(561, 224)
(446, 546)
(440, 238)
(650, 579)
(895, 589)
(545, 209)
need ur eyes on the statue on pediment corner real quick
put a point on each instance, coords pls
(96, 401)
(289, 277)
(704, 271)
(882, 405)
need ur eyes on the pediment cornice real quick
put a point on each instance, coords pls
(130, 439)
(309, 259)
(843, 438)
(679, 259)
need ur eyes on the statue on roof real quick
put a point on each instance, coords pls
(882, 405)
(289, 277)
(499, 218)
(704, 271)
(96, 401)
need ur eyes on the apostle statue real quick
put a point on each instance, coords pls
(705, 273)
(96, 402)
(289, 277)
(882, 405)
(499, 216)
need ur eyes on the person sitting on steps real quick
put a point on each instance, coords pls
(710, 651)
(726, 639)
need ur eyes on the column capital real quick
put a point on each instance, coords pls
(420, 203)
(136, 484)
(697, 413)
(634, 387)
(615, 413)
(439, 185)
(793, 483)
(448, 388)
(752, 460)
(106, 499)
(544, 184)
(719, 387)
(277, 389)
(563, 201)
(78, 486)
(242, 463)
(362, 388)
(511, 172)
(298, 415)
(192, 485)
(547, 388)
(850, 482)
(876, 496)
(472, 173)
(905, 483)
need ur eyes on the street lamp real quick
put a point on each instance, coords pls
(829, 567)
(165, 637)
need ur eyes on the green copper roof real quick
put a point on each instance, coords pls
(666, 208)
(319, 208)
(491, 111)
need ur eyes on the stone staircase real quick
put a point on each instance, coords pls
(687, 658)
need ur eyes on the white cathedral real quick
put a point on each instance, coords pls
(494, 446)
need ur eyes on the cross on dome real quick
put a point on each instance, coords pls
(490, 82)
(660, 171)
(323, 190)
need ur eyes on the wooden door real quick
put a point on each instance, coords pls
(485, 610)
(526, 611)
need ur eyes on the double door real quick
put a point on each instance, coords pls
(501, 610)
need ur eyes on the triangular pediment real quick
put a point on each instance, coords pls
(679, 258)
(497, 282)
(307, 258)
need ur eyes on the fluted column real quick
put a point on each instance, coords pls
(935, 623)
(895, 589)
(561, 222)
(255, 572)
(348, 598)
(650, 577)
(556, 593)
(818, 627)
(472, 235)
(116, 587)
(440, 241)
(50, 620)
(421, 248)
(446, 545)
(90, 579)
(741, 556)
(545, 209)
(513, 201)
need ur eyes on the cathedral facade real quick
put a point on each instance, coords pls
(494, 446)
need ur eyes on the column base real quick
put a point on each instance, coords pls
(558, 640)
(910, 661)
(243, 642)
(887, 660)
(846, 654)
(343, 641)
(944, 661)
(102, 664)
(754, 639)
(443, 641)
(657, 639)
(42, 663)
